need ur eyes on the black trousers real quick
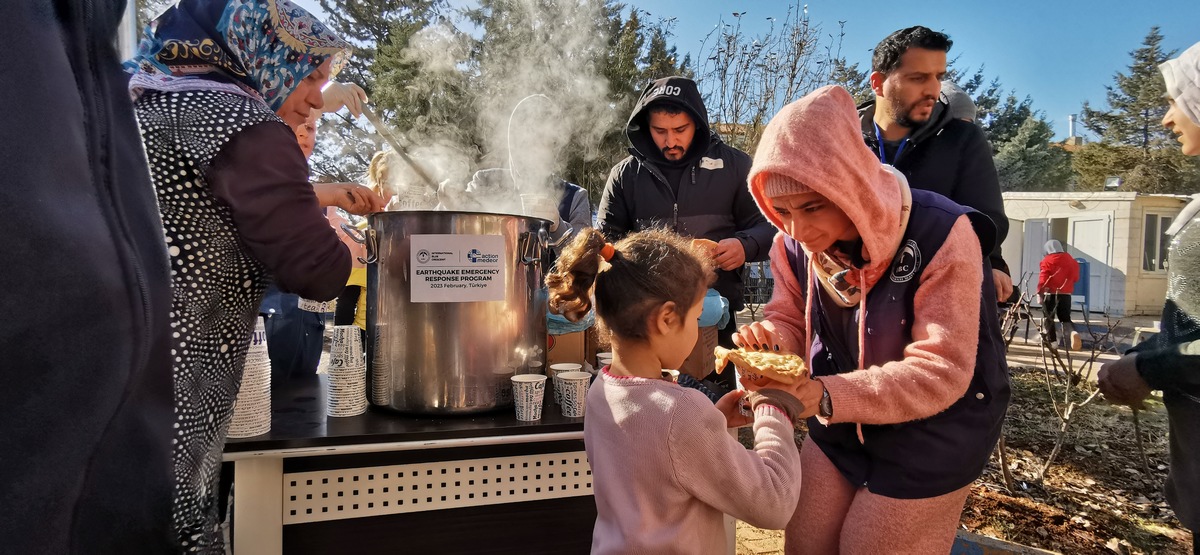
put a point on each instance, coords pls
(1055, 305)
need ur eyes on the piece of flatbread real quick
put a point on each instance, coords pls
(707, 246)
(781, 367)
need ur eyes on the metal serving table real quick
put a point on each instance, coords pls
(384, 482)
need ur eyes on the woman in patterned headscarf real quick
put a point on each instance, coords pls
(1170, 361)
(218, 85)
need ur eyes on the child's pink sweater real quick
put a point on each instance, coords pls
(665, 468)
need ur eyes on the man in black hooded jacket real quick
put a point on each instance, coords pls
(85, 411)
(911, 129)
(681, 176)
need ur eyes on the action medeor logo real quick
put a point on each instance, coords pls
(476, 257)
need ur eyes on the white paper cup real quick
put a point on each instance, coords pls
(528, 392)
(555, 370)
(534, 367)
(603, 359)
(574, 392)
(347, 394)
(345, 347)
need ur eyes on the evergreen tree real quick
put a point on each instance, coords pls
(1134, 145)
(380, 31)
(1028, 162)
(849, 77)
(1135, 100)
(1000, 115)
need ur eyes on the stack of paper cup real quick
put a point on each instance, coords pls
(555, 370)
(603, 359)
(252, 408)
(574, 392)
(381, 367)
(347, 373)
(528, 392)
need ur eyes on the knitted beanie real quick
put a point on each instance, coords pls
(775, 185)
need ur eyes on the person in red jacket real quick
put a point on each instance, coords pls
(1059, 272)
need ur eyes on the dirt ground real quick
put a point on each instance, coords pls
(1095, 498)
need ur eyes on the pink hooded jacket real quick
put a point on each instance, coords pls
(816, 141)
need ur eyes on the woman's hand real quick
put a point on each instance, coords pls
(1121, 383)
(336, 95)
(762, 336)
(731, 406)
(351, 197)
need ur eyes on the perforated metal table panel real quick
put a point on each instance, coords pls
(389, 483)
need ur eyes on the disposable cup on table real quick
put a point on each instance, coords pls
(347, 391)
(603, 359)
(574, 392)
(529, 390)
(555, 370)
(534, 367)
(345, 347)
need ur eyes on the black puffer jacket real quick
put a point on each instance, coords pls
(713, 201)
(85, 412)
(951, 157)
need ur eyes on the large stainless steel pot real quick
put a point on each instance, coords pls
(455, 307)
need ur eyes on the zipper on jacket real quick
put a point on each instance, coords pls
(99, 101)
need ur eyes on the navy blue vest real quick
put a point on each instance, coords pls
(939, 454)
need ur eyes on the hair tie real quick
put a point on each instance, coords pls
(607, 251)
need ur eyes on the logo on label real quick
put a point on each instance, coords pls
(477, 257)
(907, 262)
(423, 256)
(707, 163)
(665, 89)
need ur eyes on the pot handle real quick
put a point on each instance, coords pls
(531, 246)
(567, 234)
(361, 238)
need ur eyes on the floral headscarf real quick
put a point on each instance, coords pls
(261, 47)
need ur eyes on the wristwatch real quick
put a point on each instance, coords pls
(825, 409)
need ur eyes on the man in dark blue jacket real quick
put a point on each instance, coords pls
(681, 176)
(85, 412)
(910, 128)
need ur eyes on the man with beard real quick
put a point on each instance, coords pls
(911, 129)
(681, 176)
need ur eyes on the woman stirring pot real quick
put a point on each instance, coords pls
(219, 85)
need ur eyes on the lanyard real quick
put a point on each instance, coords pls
(882, 153)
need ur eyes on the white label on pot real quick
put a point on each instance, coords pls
(457, 268)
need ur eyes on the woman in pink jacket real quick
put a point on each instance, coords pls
(885, 291)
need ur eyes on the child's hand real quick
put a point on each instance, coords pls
(807, 392)
(731, 406)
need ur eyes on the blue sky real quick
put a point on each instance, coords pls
(1058, 52)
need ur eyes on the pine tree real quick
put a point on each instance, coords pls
(1000, 115)
(1028, 162)
(1135, 100)
(1134, 145)
(849, 77)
